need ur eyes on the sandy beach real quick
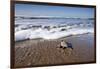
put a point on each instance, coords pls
(45, 52)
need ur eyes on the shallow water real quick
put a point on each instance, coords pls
(51, 28)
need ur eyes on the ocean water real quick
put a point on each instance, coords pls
(51, 28)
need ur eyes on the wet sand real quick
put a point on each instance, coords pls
(45, 52)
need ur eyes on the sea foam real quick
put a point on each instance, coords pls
(52, 34)
(26, 28)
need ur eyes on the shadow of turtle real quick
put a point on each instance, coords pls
(69, 45)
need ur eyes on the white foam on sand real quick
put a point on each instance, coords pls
(49, 34)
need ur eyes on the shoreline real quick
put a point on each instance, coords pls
(40, 39)
(44, 52)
